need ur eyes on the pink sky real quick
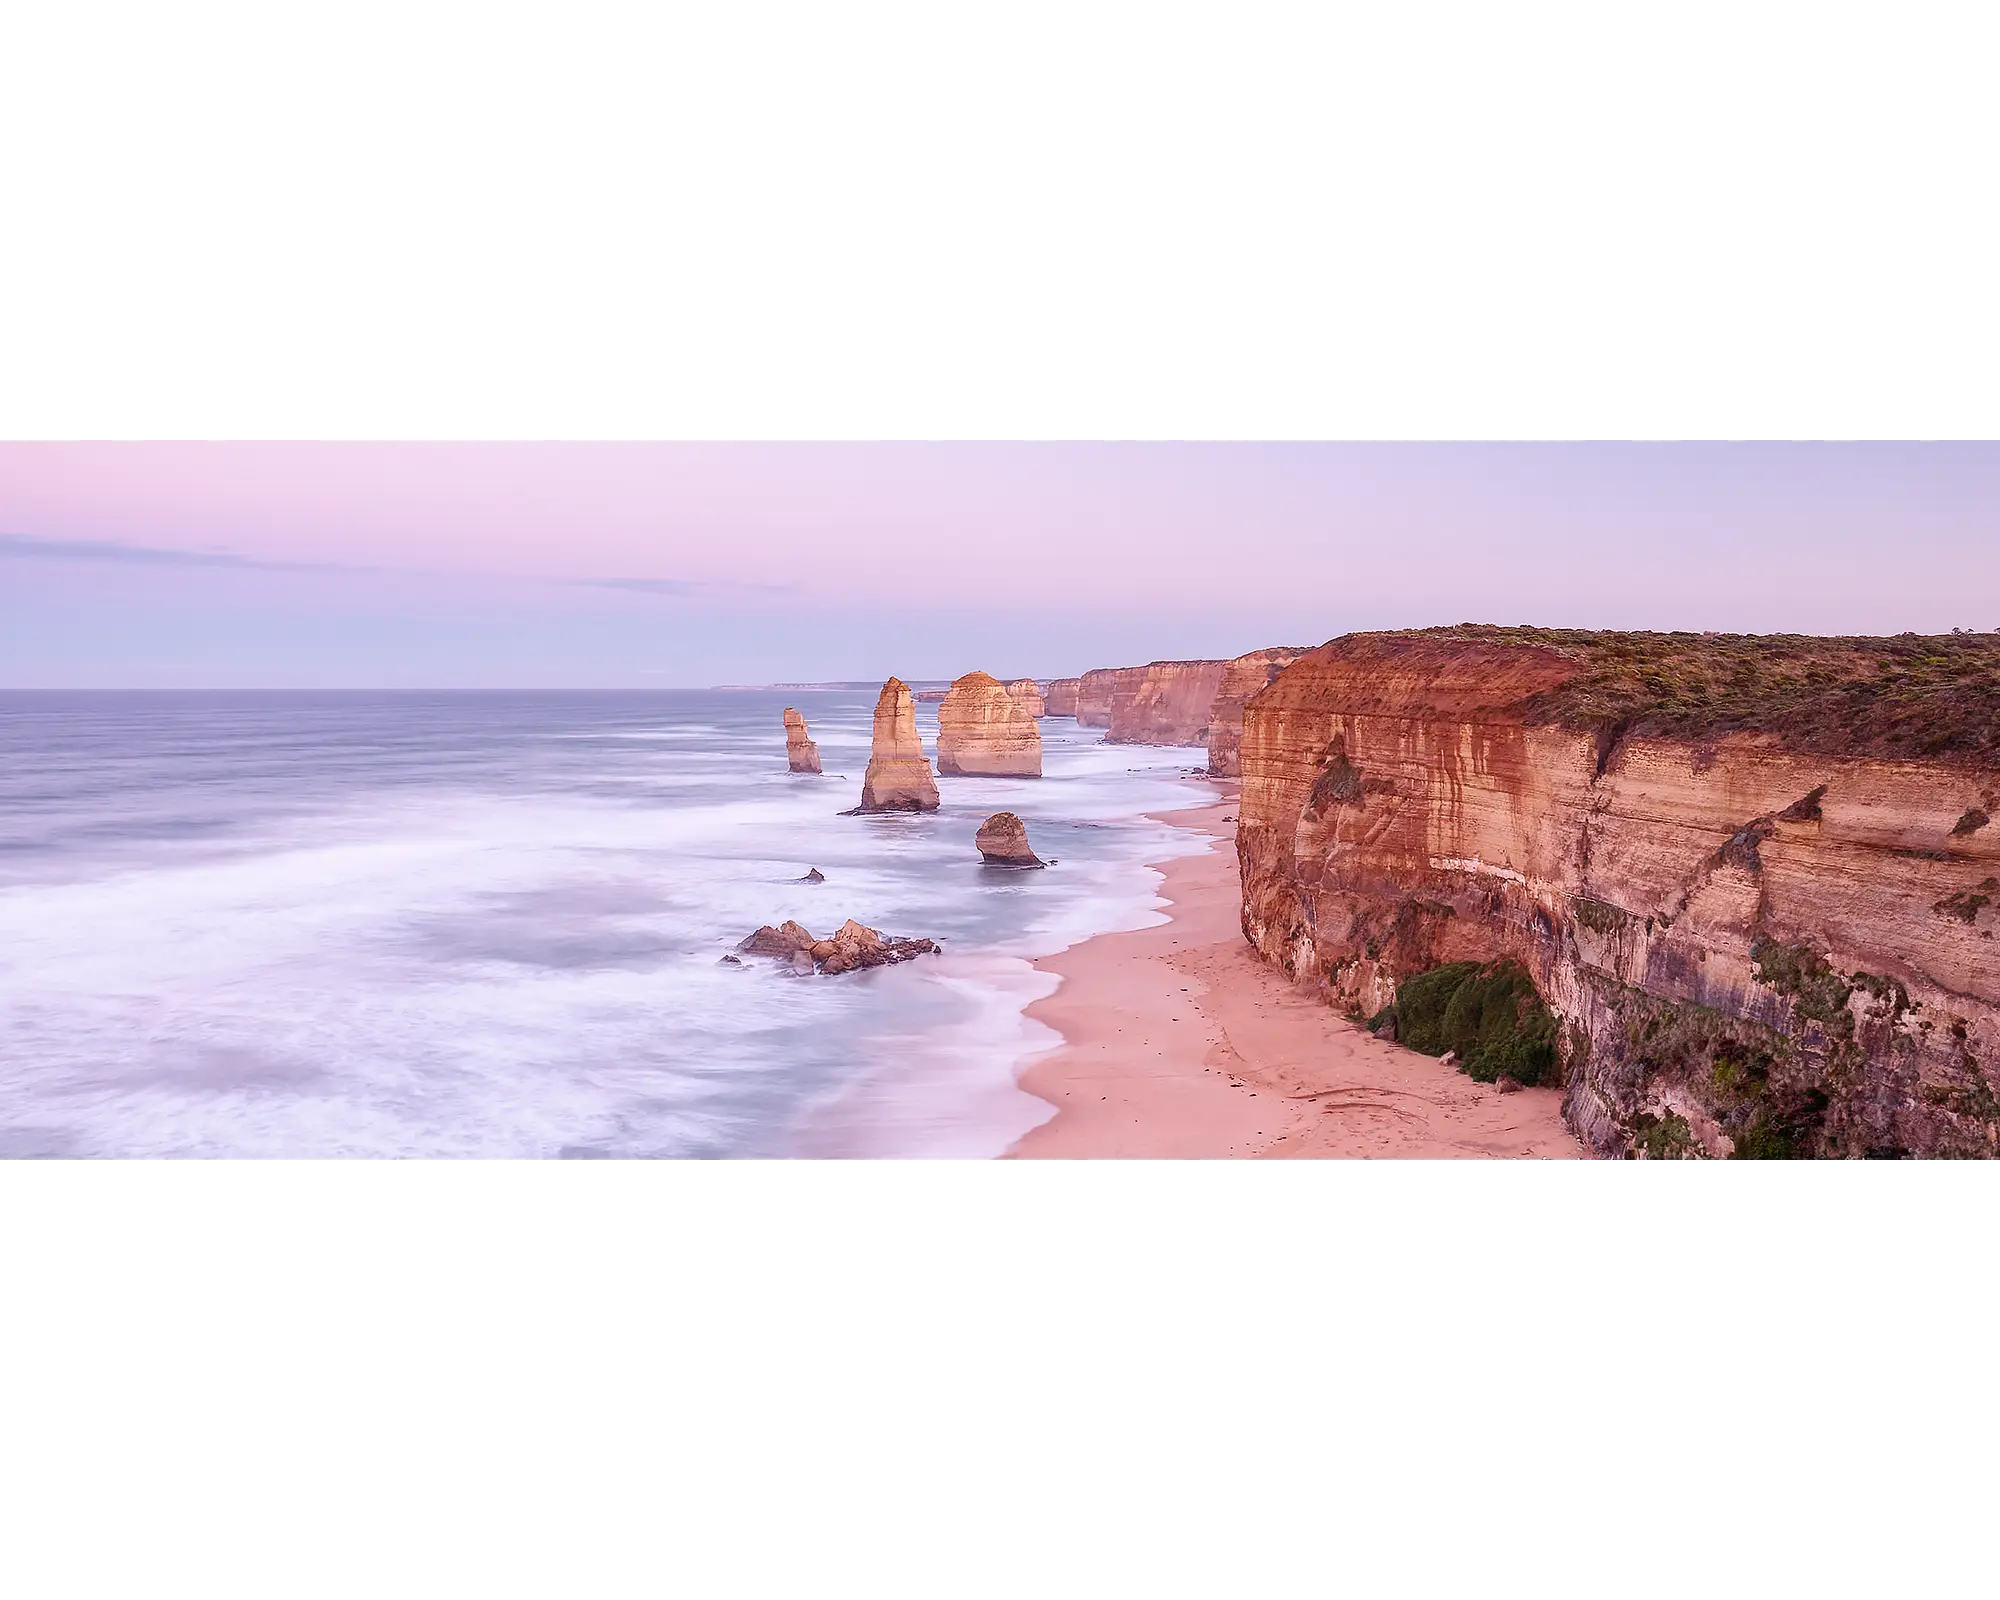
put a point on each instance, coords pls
(643, 563)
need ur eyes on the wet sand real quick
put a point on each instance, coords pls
(1180, 1044)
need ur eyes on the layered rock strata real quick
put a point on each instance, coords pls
(851, 949)
(1003, 842)
(899, 773)
(1748, 875)
(1061, 698)
(1164, 702)
(1029, 693)
(800, 750)
(1241, 678)
(985, 731)
(1095, 691)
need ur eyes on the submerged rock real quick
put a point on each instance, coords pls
(853, 948)
(1003, 841)
(800, 750)
(899, 773)
(986, 731)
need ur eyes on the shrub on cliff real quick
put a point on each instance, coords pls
(1491, 1016)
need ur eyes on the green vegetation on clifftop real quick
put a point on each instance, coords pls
(1911, 696)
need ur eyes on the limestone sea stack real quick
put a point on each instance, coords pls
(1029, 693)
(899, 773)
(986, 732)
(1003, 841)
(800, 750)
(1061, 698)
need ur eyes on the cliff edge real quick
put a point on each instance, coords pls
(1755, 880)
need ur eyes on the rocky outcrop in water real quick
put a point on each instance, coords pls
(1061, 698)
(1003, 842)
(1739, 872)
(985, 731)
(1241, 678)
(899, 773)
(852, 949)
(1029, 693)
(800, 750)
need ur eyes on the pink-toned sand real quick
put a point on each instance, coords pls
(1178, 1042)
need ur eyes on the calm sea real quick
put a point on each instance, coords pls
(491, 925)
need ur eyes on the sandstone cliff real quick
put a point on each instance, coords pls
(1061, 698)
(1095, 691)
(1164, 702)
(899, 774)
(1756, 880)
(800, 750)
(1029, 693)
(985, 731)
(1241, 678)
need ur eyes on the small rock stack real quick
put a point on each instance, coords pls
(800, 751)
(1003, 841)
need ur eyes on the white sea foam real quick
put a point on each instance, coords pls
(425, 929)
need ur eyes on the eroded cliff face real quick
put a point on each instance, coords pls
(985, 730)
(1766, 928)
(1061, 698)
(1029, 693)
(1241, 678)
(1095, 691)
(1164, 702)
(1175, 702)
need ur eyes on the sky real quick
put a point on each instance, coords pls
(631, 565)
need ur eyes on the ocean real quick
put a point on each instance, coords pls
(491, 925)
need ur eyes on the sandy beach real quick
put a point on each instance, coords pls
(1180, 1044)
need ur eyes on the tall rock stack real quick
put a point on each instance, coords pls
(1061, 698)
(1029, 693)
(985, 731)
(800, 750)
(1241, 678)
(899, 774)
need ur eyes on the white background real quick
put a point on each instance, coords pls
(1027, 221)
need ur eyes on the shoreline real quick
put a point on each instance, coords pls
(1180, 1044)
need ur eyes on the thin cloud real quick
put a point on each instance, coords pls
(679, 588)
(26, 547)
(23, 547)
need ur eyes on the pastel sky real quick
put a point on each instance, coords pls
(650, 565)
